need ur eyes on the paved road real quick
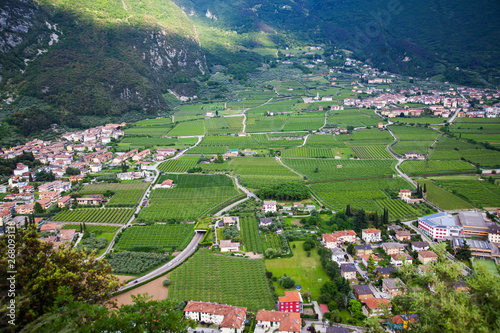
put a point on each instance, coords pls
(181, 257)
(321, 327)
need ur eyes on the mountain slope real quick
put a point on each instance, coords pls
(424, 38)
(87, 58)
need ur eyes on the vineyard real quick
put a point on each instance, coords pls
(226, 280)
(157, 237)
(105, 215)
(181, 164)
(414, 133)
(250, 234)
(260, 123)
(308, 152)
(97, 229)
(399, 210)
(479, 193)
(357, 193)
(326, 169)
(372, 152)
(367, 137)
(191, 196)
(188, 128)
(421, 147)
(435, 167)
(351, 117)
(126, 194)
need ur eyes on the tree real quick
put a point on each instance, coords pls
(124, 166)
(355, 307)
(348, 210)
(286, 282)
(371, 265)
(464, 253)
(43, 273)
(270, 253)
(332, 270)
(72, 171)
(44, 176)
(360, 220)
(166, 283)
(38, 209)
(350, 249)
(309, 244)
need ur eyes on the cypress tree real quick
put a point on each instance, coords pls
(348, 210)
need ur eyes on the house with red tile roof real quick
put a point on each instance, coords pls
(373, 307)
(291, 302)
(332, 241)
(230, 319)
(278, 322)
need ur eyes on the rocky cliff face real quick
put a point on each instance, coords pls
(77, 66)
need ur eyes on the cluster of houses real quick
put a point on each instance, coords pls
(57, 237)
(231, 319)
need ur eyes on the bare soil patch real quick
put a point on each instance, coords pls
(154, 288)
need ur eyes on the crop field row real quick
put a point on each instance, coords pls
(97, 229)
(434, 167)
(324, 140)
(442, 198)
(372, 152)
(188, 128)
(276, 106)
(421, 147)
(181, 164)
(367, 136)
(279, 142)
(308, 152)
(154, 122)
(156, 131)
(326, 169)
(158, 237)
(106, 215)
(197, 181)
(226, 280)
(286, 122)
(197, 109)
(412, 133)
(250, 234)
(479, 193)
(358, 193)
(222, 125)
(351, 117)
(398, 209)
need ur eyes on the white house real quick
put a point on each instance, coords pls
(278, 322)
(338, 255)
(228, 246)
(371, 235)
(230, 319)
(270, 206)
(95, 167)
(21, 169)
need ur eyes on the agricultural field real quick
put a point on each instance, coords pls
(403, 211)
(412, 133)
(188, 128)
(126, 194)
(305, 121)
(250, 234)
(435, 167)
(280, 141)
(191, 196)
(371, 136)
(329, 169)
(96, 229)
(323, 140)
(221, 143)
(442, 198)
(224, 125)
(419, 120)
(479, 193)
(421, 147)
(157, 237)
(351, 117)
(227, 280)
(357, 193)
(104, 215)
(258, 171)
(197, 109)
(143, 142)
(261, 123)
(156, 131)
(276, 106)
(182, 164)
(154, 122)
(305, 270)
(308, 152)
(372, 152)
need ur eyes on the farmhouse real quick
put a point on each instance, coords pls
(89, 201)
(230, 319)
(279, 322)
(415, 156)
(264, 221)
(230, 220)
(167, 183)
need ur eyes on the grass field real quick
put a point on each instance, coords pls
(227, 280)
(191, 196)
(157, 237)
(306, 271)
